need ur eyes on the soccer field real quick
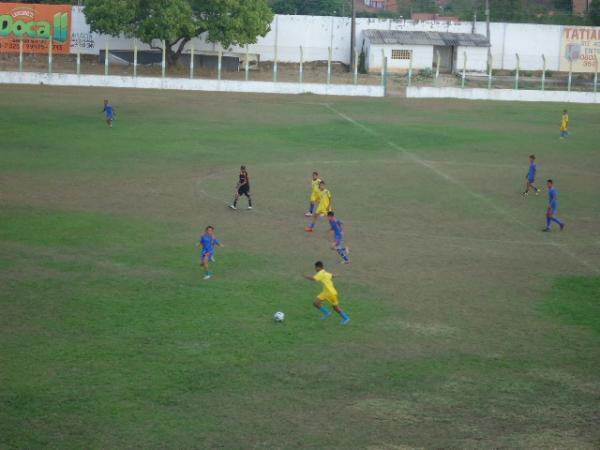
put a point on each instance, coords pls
(470, 327)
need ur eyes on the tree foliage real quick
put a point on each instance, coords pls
(229, 22)
(595, 12)
(312, 7)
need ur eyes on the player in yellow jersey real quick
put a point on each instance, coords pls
(564, 125)
(325, 205)
(329, 293)
(314, 193)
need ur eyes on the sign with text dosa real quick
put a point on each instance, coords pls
(581, 46)
(36, 25)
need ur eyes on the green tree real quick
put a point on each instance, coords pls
(564, 5)
(425, 6)
(229, 22)
(312, 7)
(594, 12)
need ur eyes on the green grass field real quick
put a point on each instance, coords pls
(470, 328)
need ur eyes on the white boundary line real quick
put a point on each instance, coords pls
(562, 247)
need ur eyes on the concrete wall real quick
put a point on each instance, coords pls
(189, 85)
(503, 94)
(422, 57)
(317, 33)
(530, 41)
(476, 58)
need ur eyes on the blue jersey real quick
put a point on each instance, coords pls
(336, 226)
(108, 109)
(208, 243)
(531, 172)
(553, 196)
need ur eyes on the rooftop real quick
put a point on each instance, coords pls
(383, 37)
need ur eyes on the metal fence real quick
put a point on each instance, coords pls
(219, 65)
(222, 65)
(509, 78)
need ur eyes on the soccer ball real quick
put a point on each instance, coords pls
(279, 316)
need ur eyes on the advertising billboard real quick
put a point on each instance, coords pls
(36, 25)
(581, 47)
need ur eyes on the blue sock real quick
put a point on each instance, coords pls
(311, 209)
(312, 225)
(324, 310)
(547, 222)
(554, 219)
(342, 253)
(345, 255)
(344, 315)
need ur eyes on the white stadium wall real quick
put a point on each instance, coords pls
(263, 87)
(530, 41)
(316, 33)
(511, 95)
(476, 58)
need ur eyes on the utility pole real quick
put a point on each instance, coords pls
(487, 19)
(352, 36)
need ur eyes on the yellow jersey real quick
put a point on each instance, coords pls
(324, 200)
(315, 193)
(326, 279)
(564, 123)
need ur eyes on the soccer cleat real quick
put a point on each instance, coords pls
(562, 226)
(307, 214)
(326, 316)
(212, 259)
(207, 276)
(232, 207)
(249, 207)
(345, 321)
(308, 229)
(546, 229)
(344, 262)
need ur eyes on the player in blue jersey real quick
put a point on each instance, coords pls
(208, 242)
(530, 177)
(552, 208)
(110, 113)
(337, 229)
(215, 245)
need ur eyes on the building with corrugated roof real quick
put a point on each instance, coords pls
(424, 48)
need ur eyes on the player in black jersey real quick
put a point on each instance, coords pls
(242, 188)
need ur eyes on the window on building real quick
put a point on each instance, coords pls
(379, 4)
(401, 54)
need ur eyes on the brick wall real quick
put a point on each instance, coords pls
(580, 6)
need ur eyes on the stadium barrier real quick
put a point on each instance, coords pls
(266, 87)
(521, 95)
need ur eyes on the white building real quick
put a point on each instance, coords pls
(423, 48)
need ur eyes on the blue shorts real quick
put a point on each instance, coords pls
(206, 253)
(109, 117)
(553, 207)
(338, 241)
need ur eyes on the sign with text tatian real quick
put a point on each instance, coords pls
(580, 46)
(36, 25)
